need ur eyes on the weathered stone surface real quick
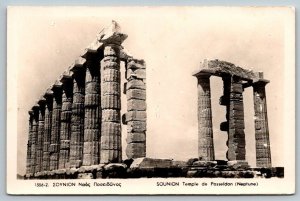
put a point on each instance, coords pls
(111, 105)
(110, 115)
(136, 126)
(145, 162)
(77, 120)
(91, 112)
(29, 144)
(65, 125)
(111, 34)
(136, 105)
(40, 136)
(238, 165)
(55, 129)
(263, 151)
(85, 176)
(111, 88)
(135, 74)
(113, 166)
(111, 102)
(136, 94)
(136, 150)
(111, 75)
(136, 64)
(217, 67)
(236, 136)
(110, 128)
(136, 116)
(205, 132)
(135, 84)
(135, 137)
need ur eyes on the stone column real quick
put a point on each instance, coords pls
(236, 135)
(28, 158)
(205, 129)
(111, 104)
(136, 108)
(55, 127)
(65, 122)
(47, 130)
(91, 111)
(77, 119)
(40, 136)
(34, 137)
(225, 101)
(263, 152)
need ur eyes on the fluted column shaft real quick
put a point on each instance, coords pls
(205, 130)
(111, 104)
(91, 111)
(28, 158)
(34, 139)
(40, 137)
(65, 123)
(263, 152)
(136, 108)
(55, 128)
(47, 132)
(77, 119)
(236, 134)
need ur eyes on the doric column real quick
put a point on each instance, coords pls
(55, 127)
(111, 104)
(91, 110)
(65, 121)
(77, 119)
(205, 129)
(263, 152)
(34, 137)
(28, 158)
(40, 136)
(47, 130)
(236, 135)
(136, 108)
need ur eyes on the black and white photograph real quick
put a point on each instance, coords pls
(150, 100)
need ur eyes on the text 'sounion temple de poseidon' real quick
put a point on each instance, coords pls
(75, 127)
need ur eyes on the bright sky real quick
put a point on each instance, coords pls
(43, 42)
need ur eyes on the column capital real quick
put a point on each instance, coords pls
(78, 65)
(112, 34)
(56, 87)
(260, 82)
(42, 101)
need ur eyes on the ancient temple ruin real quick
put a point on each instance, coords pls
(235, 80)
(77, 121)
(75, 127)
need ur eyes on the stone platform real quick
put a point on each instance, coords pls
(153, 168)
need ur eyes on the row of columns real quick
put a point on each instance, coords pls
(234, 124)
(78, 121)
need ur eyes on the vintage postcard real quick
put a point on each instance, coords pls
(151, 100)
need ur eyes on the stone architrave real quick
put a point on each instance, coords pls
(35, 124)
(47, 131)
(65, 122)
(263, 152)
(77, 119)
(236, 134)
(111, 150)
(55, 126)
(136, 108)
(28, 159)
(40, 136)
(205, 131)
(91, 110)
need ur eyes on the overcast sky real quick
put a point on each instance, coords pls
(43, 42)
